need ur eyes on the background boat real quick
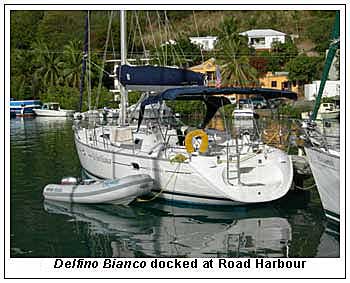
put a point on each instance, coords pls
(326, 111)
(23, 107)
(53, 109)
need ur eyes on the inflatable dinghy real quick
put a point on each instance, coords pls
(117, 191)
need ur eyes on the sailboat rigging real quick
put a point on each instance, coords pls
(226, 171)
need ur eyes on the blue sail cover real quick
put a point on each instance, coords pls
(213, 97)
(158, 76)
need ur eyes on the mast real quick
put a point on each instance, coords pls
(330, 56)
(123, 91)
(85, 55)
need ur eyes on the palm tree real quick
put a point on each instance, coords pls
(238, 72)
(49, 65)
(234, 60)
(72, 63)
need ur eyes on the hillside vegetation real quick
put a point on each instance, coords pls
(46, 46)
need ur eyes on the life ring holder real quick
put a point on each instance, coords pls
(196, 133)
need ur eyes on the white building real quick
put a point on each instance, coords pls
(331, 89)
(263, 38)
(207, 43)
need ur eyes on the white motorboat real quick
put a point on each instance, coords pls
(117, 191)
(53, 109)
(326, 111)
(245, 116)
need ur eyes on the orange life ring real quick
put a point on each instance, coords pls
(196, 133)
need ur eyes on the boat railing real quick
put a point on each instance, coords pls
(100, 137)
(320, 135)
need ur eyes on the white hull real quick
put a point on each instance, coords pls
(120, 191)
(199, 181)
(53, 113)
(325, 169)
(328, 115)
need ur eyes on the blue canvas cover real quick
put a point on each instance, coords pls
(214, 98)
(158, 76)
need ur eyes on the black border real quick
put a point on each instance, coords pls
(173, 4)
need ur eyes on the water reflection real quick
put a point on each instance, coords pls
(164, 230)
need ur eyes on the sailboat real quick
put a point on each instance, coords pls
(201, 166)
(324, 158)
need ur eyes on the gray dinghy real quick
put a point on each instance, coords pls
(117, 191)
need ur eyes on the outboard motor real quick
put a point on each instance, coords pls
(69, 181)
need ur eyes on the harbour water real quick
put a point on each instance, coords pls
(42, 151)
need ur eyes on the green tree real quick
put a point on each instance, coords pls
(233, 56)
(23, 83)
(303, 69)
(238, 72)
(72, 63)
(24, 25)
(320, 28)
(49, 65)
(57, 28)
(273, 62)
(284, 52)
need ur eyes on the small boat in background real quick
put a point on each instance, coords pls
(245, 116)
(117, 191)
(90, 114)
(109, 113)
(53, 109)
(326, 111)
(23, 108)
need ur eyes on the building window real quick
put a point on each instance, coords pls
(274, 84)
(258, 40)
(285, 86)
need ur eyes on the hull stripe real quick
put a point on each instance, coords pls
(332, 215)
(98, 191)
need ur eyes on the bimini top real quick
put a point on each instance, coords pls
(213, 97)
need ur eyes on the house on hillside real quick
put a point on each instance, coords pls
(278, 80)
(208, 68)
(262, 39)
(207, 43)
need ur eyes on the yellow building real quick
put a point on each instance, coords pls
(278, 80)
(208, 68)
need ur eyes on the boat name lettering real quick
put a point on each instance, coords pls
(54, 189)
(99, 158)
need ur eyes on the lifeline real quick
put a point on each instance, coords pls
(268, 263)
